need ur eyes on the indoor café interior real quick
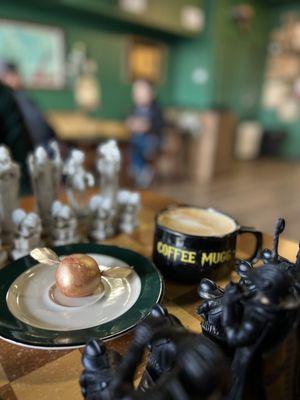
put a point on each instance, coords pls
(149, 209)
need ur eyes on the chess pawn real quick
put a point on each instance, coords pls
(78, 180)
(9, 193)
(108, 166)
(63, 225)
(104, 218)
(28, 230)
(45, 175)
(129, 205)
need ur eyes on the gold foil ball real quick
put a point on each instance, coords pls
(78, 275)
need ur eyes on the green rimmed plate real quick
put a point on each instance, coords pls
(28, 318)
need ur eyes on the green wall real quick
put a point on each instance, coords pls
(106, 42)
(190, 55)
(234, 60)
(269, 118)
(240, 58)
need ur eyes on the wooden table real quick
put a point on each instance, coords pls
(80, 127)
(27, 374)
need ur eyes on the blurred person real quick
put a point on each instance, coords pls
(146, 125)
(13, 133)
(38, 128)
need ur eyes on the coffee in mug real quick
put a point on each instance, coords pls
(191, 243)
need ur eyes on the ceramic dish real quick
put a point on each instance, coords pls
(33, 314)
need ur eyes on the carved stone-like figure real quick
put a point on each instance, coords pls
(129, 206)
(104, 222)
(9, 193)
(78, 181)
(28, 230)
(108, 166)
(63, 224)
(45, 175)
(198, 368)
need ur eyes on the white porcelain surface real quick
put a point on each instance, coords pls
(28, 299)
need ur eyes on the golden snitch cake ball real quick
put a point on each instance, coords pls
(78, 275)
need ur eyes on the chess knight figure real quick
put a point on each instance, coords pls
(28, 230)
(78, 180)
(9, 193)
(63, 224)
(45, 176)
(108, 166)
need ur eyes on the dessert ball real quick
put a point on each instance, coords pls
(78, 275)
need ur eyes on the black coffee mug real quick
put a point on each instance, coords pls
(189, 258)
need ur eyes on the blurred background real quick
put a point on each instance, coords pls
(203, 96)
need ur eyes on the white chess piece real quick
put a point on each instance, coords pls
(28, 230)
(108, 166)
(64, 226)
(104, 218)
(45, 176)
(78, 180)
(9, 193)
(129, 206)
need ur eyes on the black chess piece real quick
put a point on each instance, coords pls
(162, 351)
(273, 257)
(210, 310)
(100, 366)
(199, 368)
(243, 269)
(267, 319)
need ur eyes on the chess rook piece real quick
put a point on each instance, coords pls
(267, 325)
(108, 165)
(9, 193)
(28, 230)
(103, 218)
(78, 181)
(45, 175)
(129, 204)
(63, 224)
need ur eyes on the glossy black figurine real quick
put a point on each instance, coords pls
(269, 317)
(273, 257)
(162, 351)
(198, 368)
(211, 310)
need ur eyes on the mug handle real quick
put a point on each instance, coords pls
(259, 241)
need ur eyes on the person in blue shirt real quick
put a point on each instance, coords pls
(146, 125)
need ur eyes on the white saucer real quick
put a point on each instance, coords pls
(32, 299)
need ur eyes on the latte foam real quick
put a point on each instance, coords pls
(197, 221)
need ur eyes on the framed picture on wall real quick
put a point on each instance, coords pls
(145, 60)
(38, 51)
